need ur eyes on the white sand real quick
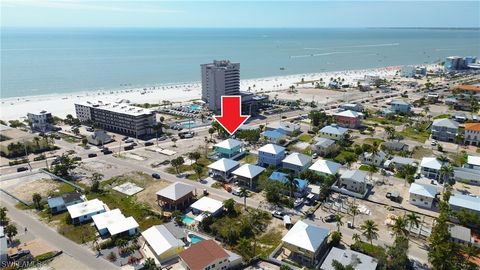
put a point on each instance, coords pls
(62, 104)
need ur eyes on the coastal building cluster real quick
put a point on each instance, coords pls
(303, 184)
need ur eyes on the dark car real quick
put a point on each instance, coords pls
(156, 175)
(329, 218)
(76, 158)
(22, 169)
(107, 152)
(92, 155)
(129, 147)
(148, 143)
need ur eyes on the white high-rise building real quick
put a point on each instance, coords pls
(219, 78)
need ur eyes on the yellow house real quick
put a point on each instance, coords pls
(305, 241)
(162, 243)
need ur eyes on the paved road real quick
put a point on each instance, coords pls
(53, 238)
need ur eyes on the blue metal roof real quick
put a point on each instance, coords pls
(273, 134)
(282, 177)
(55, 202)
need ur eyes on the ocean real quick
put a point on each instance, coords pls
(48, 61)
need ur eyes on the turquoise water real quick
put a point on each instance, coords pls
(195, 107)
(40, 61)
(195, 238)
(188, 124)
(187, 220)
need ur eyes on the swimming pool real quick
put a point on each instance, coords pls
(188, 124)
(195, 107)
(187, 220)
(195, 238)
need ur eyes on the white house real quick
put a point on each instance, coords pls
(370, 158)
(84, 211)
(473, 162)
(248, 174)
(296, 162)
(206, 204)
(334, 132)
(270, 154)
(430, 167)
(422, 195)
(40, 120)
(469, 203)
(352, 182)
(114, 222)
(325, 167)
(324, 146)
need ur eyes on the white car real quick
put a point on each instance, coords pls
(298, 202)
(433, 143)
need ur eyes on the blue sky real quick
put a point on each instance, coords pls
(89, 13)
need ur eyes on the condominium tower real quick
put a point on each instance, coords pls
(219, 78)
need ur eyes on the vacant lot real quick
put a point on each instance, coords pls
(25, 190)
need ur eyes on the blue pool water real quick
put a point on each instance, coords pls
(187, 220)
(195, 107)
(188, 124)
(195, 238)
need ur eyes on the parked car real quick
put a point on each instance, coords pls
(107, 152)
(162, 138)
(298, 202)
(92, 155)
(156, 175)
(329, 218)
(76, 158)
(125, 138)
(277, 214)
(22, 169)
(236, 191)
(128, 147)
(315, 155)
(148, 143)
(129, 141)
(89, 129)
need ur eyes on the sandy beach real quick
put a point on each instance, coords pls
(62, 104)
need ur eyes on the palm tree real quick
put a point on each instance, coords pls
(369, 230)
(198, 170)
(354, 210)
(149, 264)
(446, 171)
(399, 228)
(157, 127)
(356, 237)
(244, 194)
(291, 183)
(413, 219)
(338, 221)
(390, 132)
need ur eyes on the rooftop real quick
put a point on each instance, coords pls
(325, 166)
(273, 134)
(423, 190)
(473, 160)
(349, 113)
(202, 254)
(161, 239)
(117, 107)
(114, 221)
(334, 129)
(229, 144)
(223, 165)
(355, 175)
(206, 204)
(460, 232)
(282, 178)
(297, 159)
(248, 171)
(465, 201)
(176, 191)
(431, 163)
(306, 236)
(445, 122)
(324, 142)
(271, 149)
(399, 102)
(472, 126)
(85, 208)
(466, 87)
(348, 257)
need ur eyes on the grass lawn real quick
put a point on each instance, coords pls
(250, 159)
(80, 233)
(187, 167)
(305, 138)
(440, 116)
(419, 152)
(372, 140)
(384, 121)
(417, 135)
(64, 188)
(364, 167)
(268, 242)
(341, 156)
(139, 178)
(69, 139)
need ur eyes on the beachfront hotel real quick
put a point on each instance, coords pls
(117, 117)
(222, 78)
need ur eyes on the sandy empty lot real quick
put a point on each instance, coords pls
(25, 190)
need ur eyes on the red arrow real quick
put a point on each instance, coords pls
(231, 118)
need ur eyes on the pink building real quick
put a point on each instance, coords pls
(349, 119)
